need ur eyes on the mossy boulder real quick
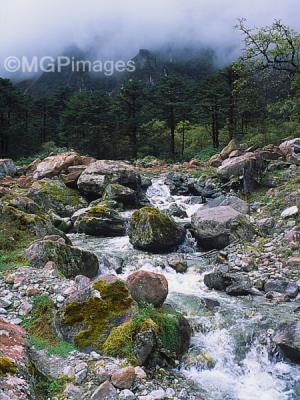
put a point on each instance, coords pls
(39, 225)
(22, 203)
(153, 230)
(104, 318)
(87, 318)
(69, 260)
(152, 337)
(121, 194)
(56, 196)
(99, 220)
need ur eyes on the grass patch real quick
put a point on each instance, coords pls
(46, 387)
(39, 326)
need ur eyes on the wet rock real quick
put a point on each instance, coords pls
(176, 211)
(177, 183)
(121, 194)
(148, 287)
(216, 280)
(7, 168)
(290, 289)
(99, 174)
(233, 284)
(69, 260)
(106, 391)
(124, 378)
(55, 165)
(178, 263)
(217, 227)
(145, 182)
(152, 230)
(99, 220)
(288, 339)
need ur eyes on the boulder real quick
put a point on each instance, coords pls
(99, 220)
(152, 230)
(88, 317)
(289, 289)
(120, 194)
(56, 196)
(7, 168)
(56, 164)
(290, 212)
(99, 174)
(233, 284)
(247, 167)
(236, 203)
(178, 263)
(216, 228)
(70, 179)
(175, 210)
(215, 160)
(148, 287)
(123, 379)
(69, 260)
(106, 391)
(232, 146)
(288, 339)
(291, 148)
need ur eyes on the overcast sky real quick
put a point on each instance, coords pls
(47, 27)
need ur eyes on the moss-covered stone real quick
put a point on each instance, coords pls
(153, 230)
(69, 260)
(99, 220)
(55, 195)
(7, 366)
(88, 320)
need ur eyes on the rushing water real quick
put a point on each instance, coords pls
(231, 357)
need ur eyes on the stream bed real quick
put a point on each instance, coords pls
(231, 356)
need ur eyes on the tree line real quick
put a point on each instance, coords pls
(255, 100)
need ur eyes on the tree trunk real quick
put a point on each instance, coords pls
(172, 132)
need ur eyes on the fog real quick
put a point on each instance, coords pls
(118, 28)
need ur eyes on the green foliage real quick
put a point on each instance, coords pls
(46, 387)
(39, 326)
(207, 153)
(46, 149)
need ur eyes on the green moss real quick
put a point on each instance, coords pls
(152, 229)
(95, 313)
(163, 322)
(14, 238)
(119, 342)
(39, 326)
(7, 366)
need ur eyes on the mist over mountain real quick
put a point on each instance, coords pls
(118, 29)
